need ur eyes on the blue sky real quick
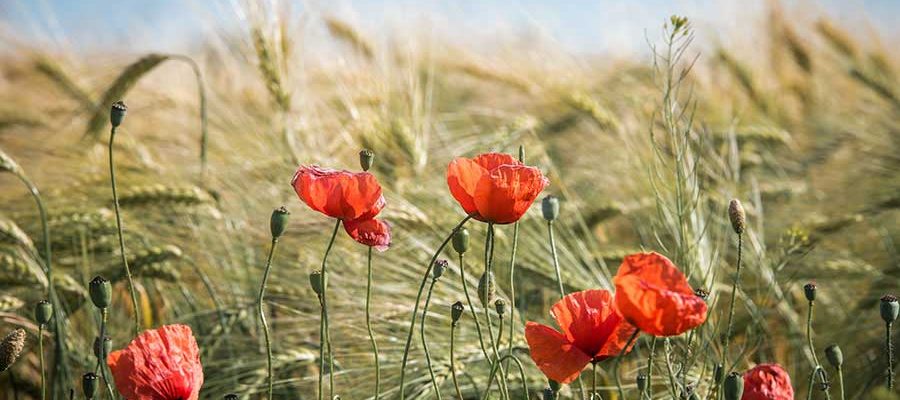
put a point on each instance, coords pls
(578, 25)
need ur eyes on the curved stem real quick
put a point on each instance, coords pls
(812, 380)
(734, 289)
(412, 322)
(453, 361)
(562, 290)
(512, 291)
(325, 341)
(812, 349)
(41, 350)
(465, 285)
(619, 359)
(369, 327)
(201, 90)
(112, 177)
(494, 372)
(262, 316)
(437, 390)
(489, 257)
(101, 365)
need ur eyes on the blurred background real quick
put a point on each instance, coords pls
(645, 132)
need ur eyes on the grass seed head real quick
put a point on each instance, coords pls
(737, 216)
(11, 347)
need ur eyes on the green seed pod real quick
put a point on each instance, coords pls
(89, 385)
(11, 347)
(101, 292)
(554, 386)
(550, 208)
(461, 241)
(315, 281)
(834, 355)
(117, 113)
(719, 373)
(366, 159)
(641, 382)
(549, 394)
(278, 222)
(737, 216)
(231, 396)
(100, 351)
(486, 289)
(734, 386)
(456, 311)
(890, 308)
(43, 312)
(809, 290)
(438, 268)
(500, 306)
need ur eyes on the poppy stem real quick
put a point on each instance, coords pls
(112, 178)
(840, 374)
(369, 327)
(262, 316)
(489, 258)
(812, 349)
(812, 380)
(562, 290)
(453, 361)
(734, 289)
(494, 372)
(437, 390)
(593, 379)
(412, 322)
(650, 368)
(324, 335)
(512, 291)
(41, 350)
(673, 384)
(889, 348)
(462, 276)
(618, 361)
(101, 355)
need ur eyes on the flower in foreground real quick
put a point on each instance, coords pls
(344, 195)
(370, 232)
(160, 364)
(767, 382)
(652, 294)
(591, 330)
(494, 187)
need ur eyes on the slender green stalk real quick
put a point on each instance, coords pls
(465, 285)
(489, 257)
(262, 316)
(650, 368)
(840, 374)
(734, 289)
(453, 361)
(321, 349)
(594, 380)
(512, 291)
(412, 323)
(812, 349)
(889, 347)
(112, 177)
(672, 383)
(369, 327)
(562, 290)
(41, 350)
(812, 380)
(437, 390)
(101, 357)
(494, 372)
(324, 334)
(619, 360)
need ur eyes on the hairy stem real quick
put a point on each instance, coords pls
(512, 292)
(465, 285)
(262, 316)
(889, 348)
(453, 361)
(494, 372)
(101, 357)
(324, 335)
(734, 289)
(41, 351)
(650, 368)
(489, 258)
(437, 390)
(619, 360)
(369, 327)
(112, 177)
(562, 290)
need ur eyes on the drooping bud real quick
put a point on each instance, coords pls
(456, 311)
(641, 382)
(549, 394)
(231, 396)
(486, 289)
(550, 208)
(11, 347)
(315, 282)
(102, 348)
(734, 386)
(834, 355)
(809, 290)
(117, 113)
(89, 385)
(437, 270)
(366, 159)
(43, 312)
(737, 216)
(890, 308)
(101, 292)
(461, 241)
(278, 222)
(500, 306)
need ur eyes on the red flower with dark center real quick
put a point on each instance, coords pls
(343, 195)
(592, 331)
(160, 364)
(494, 187)
(370, 232)
(767, 382)
(652, 294)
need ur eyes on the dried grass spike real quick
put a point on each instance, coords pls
(11, 347)
(9, 303)
(344, 32)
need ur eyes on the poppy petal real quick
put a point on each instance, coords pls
(339, 194)
(767, 382)
(505, 193)
(589, 320)
(463, 175)
(159, 364)
(554, 355)
(490, 161)
(370, 232)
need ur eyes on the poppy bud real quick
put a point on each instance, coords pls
(366, 158)
(834, 355)
(117, 113)
(105, 347)
(461, 241)
(554, 386)
(438, 268)
(890, 308)
(101, 292)
(719, 373)
(702, 293)
(500, 306)
(89, 385)
(642, 382)
(809, 290)
(43, 311)
(10, 348)
(278, 222)
(315, 281)
(486, 288)
(231, 396)
(456, 311)
(549, 394)
(737, 216)
(521, 153)
(550, 208)
(734, 386)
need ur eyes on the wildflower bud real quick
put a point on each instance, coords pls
(456, 311)
(231, 396)
(461, 241)
(702, 293)
(642, 382)
(102, 348)
(11, 347)
(438, 268)
(737, 216)
(809, 290)
(117, 113)
(719, 373)
(890, 308)
(734, 386)
(101, 292)
(278, 222)
(834, 355)
(550, 208)
(89, 385)
(315, 281)
(366, 159)
(500, 306)
(549, 394)
(43, 311)
(486, 288)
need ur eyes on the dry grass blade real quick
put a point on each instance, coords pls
(347, 34)
(57, 75)
(10, 233)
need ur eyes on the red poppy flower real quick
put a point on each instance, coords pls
(160, 364)
(370, 232)
(592, 331)
(339, 194)
(494, 187)
(767, 382)
(654, 295)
